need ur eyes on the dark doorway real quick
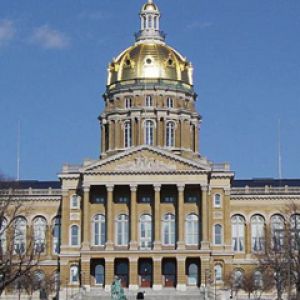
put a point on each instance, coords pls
(193, 271)
(122, 271)
(98, 271)
(145, 272)
(169, 272)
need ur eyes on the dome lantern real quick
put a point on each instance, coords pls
(150, 18)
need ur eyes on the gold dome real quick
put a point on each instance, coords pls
(150, 61)
(150, 6)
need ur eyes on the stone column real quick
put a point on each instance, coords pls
(248, 238)
(133, 274)
(182, 145)
(102, 138)
(110, 217)
(117, 134)
(157, 218)
(133, 129)
(181, 278)
(180, 217)
(111, 135)
(196, 139)
(205, 219)
(133, 219)
(157, 277)
(86, 218)
(227, 221)
(65, 215)
(109, 273)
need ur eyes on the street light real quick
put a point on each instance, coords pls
(215, 284)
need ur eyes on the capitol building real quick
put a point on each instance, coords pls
(152, 209)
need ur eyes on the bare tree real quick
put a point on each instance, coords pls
(18, 254)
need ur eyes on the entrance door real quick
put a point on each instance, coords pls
(193, 274)
(169, 272)
(145, 272)
(122, 271)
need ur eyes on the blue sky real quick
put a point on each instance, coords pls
(53, 59)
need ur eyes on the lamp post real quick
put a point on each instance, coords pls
(215, 284)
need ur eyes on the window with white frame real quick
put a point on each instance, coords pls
(169, 230)
(128, 102)
(99, 230)
(170, 102)
(75, 202)
(217, 200)
(56, 235)
(218, 272)
(170, 134)
(257, 233)
(295, 231)
(20, 225)
(149, 101)
(192, 230)
(122, 230)
(127, 134)
(145, 232)
(277, 231)
(218, 234)
(3, 243)
(149, 132)
(238, 233)
(39, 229)
(74, 275)
(74, 235)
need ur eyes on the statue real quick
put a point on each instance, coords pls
(117, 292)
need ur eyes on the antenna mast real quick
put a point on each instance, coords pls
(18, 150)
(279, 150)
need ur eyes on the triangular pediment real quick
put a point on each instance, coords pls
(146, 159)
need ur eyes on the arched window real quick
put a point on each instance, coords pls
(20, 235)
(277, 230)
(149, 132)
(170, 134)
(38, 279)
(169, 230)
(75, 202)
(99, 230)
(295, 231)
(193, 274)
(99, 274)
(145, 232)
(74, 235)
(128, 102)
(238, 278)
(122, 230)
(3, 244)
(257, 233)
(170, 102)
(191, 230)
(218, 234)
(127, 134)
(218, 272)
(258, 280)
(39, 228)
(217, 200)
(56, 235)
(74, 275)
(238, 233)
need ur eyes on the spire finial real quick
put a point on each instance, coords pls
(150, 1)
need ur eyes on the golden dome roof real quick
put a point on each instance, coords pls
(149, 61)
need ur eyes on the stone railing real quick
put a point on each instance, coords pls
(265, 190)
(31, 192)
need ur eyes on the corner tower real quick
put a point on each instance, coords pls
(149, 99)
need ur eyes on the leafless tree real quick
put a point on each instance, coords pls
(16, 260)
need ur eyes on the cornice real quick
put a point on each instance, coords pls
(256, 197)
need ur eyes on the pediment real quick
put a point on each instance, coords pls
(146, 159)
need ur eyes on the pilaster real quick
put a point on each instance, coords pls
(133, 218)
(110, 217)
(109, 273)
(181, 280)
(86, 218)
(133, 276)
(157, 277)
(157, 218)
(180, 216)
(205, 218)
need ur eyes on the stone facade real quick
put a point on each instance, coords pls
(151, 209)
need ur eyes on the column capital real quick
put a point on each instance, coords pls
(86, 188)
(180, 187)
(133, 187)
(204, 188)
(110, 187)
(157, 187)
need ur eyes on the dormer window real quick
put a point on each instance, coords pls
(170, 102)
(128, 102)
(149, 101)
